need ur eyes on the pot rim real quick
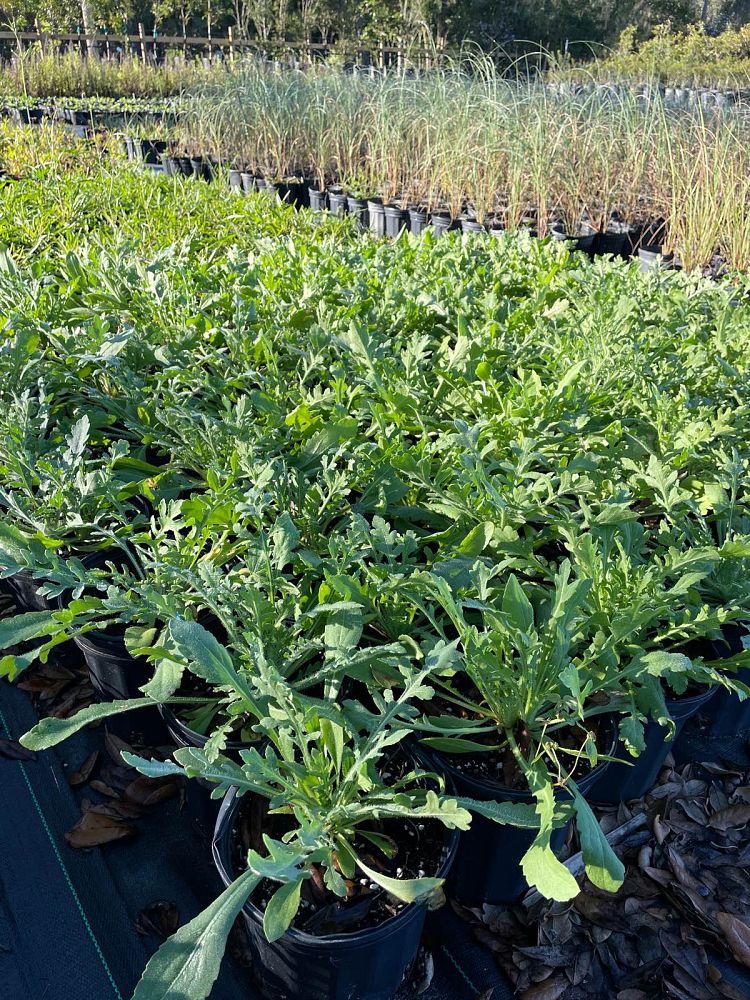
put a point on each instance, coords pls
(517, 794)
(224, 827)
(173, 720)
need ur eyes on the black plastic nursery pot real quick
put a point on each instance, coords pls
(418, 220)
(337, 203)
(364, 965)
(295, 194)
(184, 736)
(586, 242)
(726, 714)
(376, 216)
(185, 165)
(279, 188)
(358, 208)
(248, 181)
(171, 166)
(471, 226)
(613, 242)
(151, 150)
(24, 590)
(317, 199)
(625, 781)
(396, 220)
(487, 868)
(114, 672)
(203, 809)
(202, 168)
(29, 116)
(441, 222)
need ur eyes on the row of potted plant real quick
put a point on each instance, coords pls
(92, 113)
(412, 569)
(465, 135)
(509, 148)
(619, 238)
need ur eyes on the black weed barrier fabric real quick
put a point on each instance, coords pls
(68, 917)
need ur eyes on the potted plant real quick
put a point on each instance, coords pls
(515, 719)
(353, 844)
(648, 598)
(62, 494)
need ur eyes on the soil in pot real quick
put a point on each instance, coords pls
(488, 864)
(625, 781)
(354, 949)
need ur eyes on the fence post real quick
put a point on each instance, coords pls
(142, 36)
(231, 46)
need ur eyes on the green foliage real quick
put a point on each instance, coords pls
(337, 482)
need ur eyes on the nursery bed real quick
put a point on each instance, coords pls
(77, 909)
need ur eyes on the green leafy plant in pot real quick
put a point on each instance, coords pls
(60, 496)
(518, 717)
(346, 821)
(644, 599)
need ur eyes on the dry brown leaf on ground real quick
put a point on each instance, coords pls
(150, 791)
(549, 989)
(84, 772)
(116, 808)
(731, 817)
(94, 829)
(97, 785)
(12, 750)
(737, 935)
